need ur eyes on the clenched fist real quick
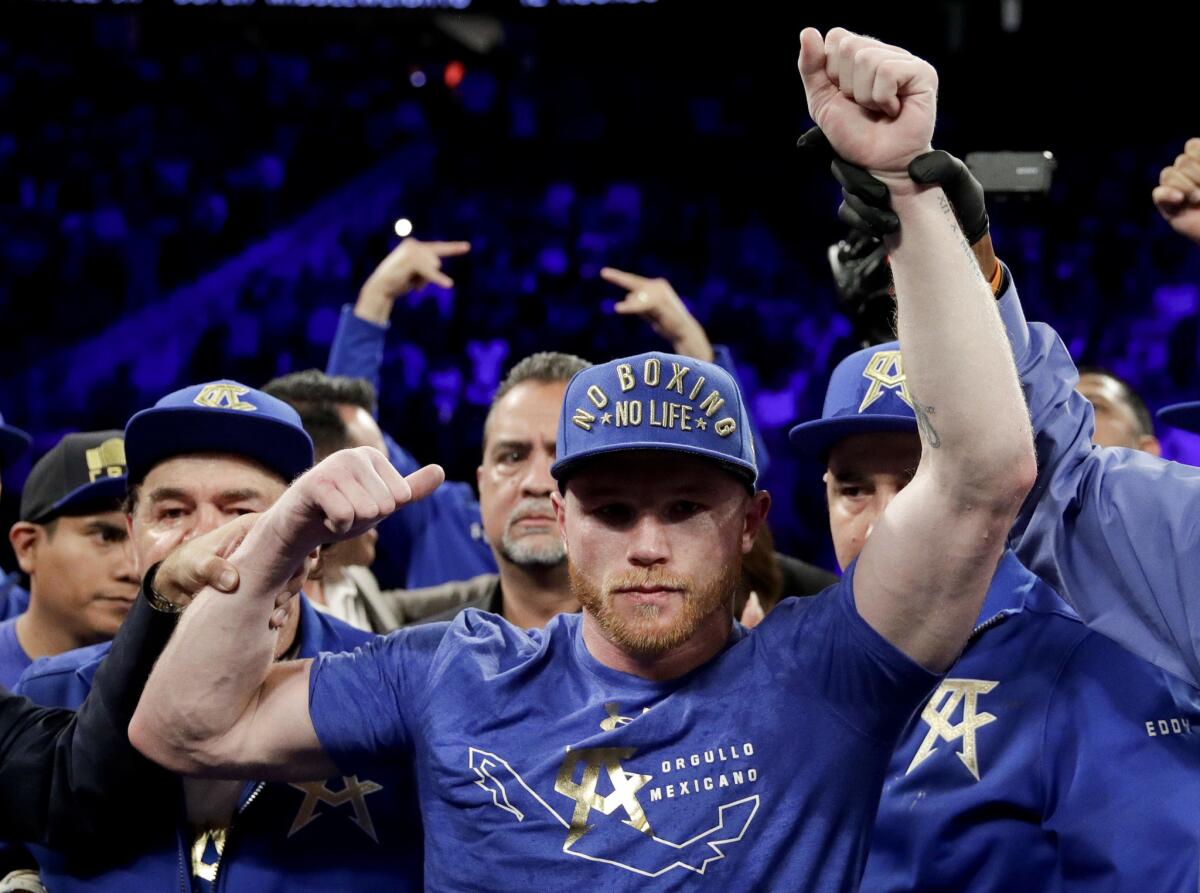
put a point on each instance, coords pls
(342, 496)
(875, 103)
(1177, 195)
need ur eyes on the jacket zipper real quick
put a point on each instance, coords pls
(229, 833)
(184, 860)
(994, 620)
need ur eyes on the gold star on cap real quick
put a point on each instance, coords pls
(606, 419)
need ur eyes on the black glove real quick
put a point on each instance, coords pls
(867, 205)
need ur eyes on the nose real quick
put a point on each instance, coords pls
(205, 519)
(648, 544)
(126, 568)
(537, 481)
(883, 498)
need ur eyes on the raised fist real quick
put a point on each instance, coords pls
(875, 103)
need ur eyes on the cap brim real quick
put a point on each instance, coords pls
(1185, 416)
(98, 493)
(153, 435)
(563, 468)
(13, 443)
(815, 439)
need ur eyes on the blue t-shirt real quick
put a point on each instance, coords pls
(13, 659)
(540, 768)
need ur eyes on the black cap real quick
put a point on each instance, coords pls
(84, 469)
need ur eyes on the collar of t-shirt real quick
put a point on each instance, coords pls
(629, 682)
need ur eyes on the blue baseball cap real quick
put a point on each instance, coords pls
(1181, 415)
(13, 442)
(85, 471)
(867, 393)
(219, 416)
(655, 401)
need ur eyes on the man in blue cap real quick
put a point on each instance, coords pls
(72, 542)
(198, 460)
(636, 740)
(1112, 529)
(13, 597)
(1045, 737)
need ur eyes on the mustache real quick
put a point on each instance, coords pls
(531, 507)
(648, 579)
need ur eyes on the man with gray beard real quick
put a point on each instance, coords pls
(514, 501)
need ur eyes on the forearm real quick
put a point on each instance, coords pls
(357, 349)
(972, 416)
(211, 673)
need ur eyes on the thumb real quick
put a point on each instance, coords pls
(817, 85)
(1167, 198)
(216, 572)
(424, 481)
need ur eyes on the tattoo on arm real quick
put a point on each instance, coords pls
(924, 423)
(948, 210)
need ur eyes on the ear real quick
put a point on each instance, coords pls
(24, 538)
(756, 513)
(478, 477)
(560, 513)
(1148, 443)
(314, 564)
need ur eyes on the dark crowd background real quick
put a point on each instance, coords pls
(190, 192)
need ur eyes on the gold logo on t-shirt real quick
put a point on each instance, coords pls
(353, 792)
(949, 697)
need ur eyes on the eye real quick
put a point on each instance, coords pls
(613, 513)
(852, 491)
(510, 455)
(240, 510)
(111, 535)
(684, 509)
(171, 513)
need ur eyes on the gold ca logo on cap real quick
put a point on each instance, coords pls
(885, 370)
(224, 396)
(106, 460)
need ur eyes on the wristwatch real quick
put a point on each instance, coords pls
(157, 602)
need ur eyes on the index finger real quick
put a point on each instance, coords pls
(448, 249)
(631, 281)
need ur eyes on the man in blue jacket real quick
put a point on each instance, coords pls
(199, 459)
(1050, 757)
(1112, 529)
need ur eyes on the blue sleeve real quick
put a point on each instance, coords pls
(357, 349)
(869, 683)
(366, 704)
(1115, 531)
(13, 599)
(724, 358)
